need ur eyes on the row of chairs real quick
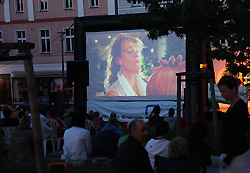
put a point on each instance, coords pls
(54, 139)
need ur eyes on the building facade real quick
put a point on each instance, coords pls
(40, 22)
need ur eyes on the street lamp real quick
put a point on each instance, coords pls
(63, 94)
(62, 39)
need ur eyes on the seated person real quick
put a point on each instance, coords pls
(178, 160)
(7, 120)
(106, 142)
(178, 148)
(114, 119)
(159, 145)
(155, 119)
(197, 146)
(45, 126)
(77, 143)
(113, 125)
(105, 148)
(53, 115)
(21, 142)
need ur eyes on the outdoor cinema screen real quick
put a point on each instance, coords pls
(127, 65)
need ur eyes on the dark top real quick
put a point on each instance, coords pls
(155, 120)
(132, 157)
(198, 148)
(9, 122)
(235, 124)
(106, 144)
(21, 145)
(166, 165)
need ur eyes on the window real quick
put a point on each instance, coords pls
(45, 41)
(135, 3)
(21, 38)
(69, 40)
(94, 3)
(19, 5)
(1, 37)
(43, 5)
(68, 4)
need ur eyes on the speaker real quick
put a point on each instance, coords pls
(78, 72)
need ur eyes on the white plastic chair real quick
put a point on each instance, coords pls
(90, 125)
(53, 137)
(7, 133)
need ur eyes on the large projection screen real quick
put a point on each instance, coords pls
(126, 65)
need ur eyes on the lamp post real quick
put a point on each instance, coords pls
(63, 96)
(62, 39)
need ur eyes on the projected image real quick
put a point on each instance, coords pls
(129, 64)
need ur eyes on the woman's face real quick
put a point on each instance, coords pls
(130, 57)
(226, 92)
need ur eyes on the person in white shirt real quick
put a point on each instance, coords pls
(159, 145)
(45, 126)
(124, 77)
(77, 144)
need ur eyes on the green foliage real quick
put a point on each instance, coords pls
(210, 20)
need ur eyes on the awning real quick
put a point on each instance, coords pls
(50, 73)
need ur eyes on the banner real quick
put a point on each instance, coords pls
(127, 111)
(243, 93)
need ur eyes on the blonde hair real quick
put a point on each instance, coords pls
(178, 148)
(114, 51)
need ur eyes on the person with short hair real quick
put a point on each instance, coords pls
(155, 119)
(159, 145)
(132, 157)
(77, 144)
(235, 155)
(8, 120)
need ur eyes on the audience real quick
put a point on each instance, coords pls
(114, 120)
(159, 145)
(21, 142)
(132, 156)
(68, 119)
(53, 115)
(77, 143)
(155, 119)
(171, 119)
(197, 146)
(178, 148)
(45, 126)
(97, 120)
(7, 120)
(106, 143)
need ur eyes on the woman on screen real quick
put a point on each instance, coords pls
(123, 67)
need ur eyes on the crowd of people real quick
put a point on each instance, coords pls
(128, 148)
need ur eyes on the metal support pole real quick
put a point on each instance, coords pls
(178, 102)
(215, 119)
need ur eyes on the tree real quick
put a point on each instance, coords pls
(205, 20)
(205, 23)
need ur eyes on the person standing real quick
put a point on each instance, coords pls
(155, 119)
(171, 119)
(132, 156)
(235, 155)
